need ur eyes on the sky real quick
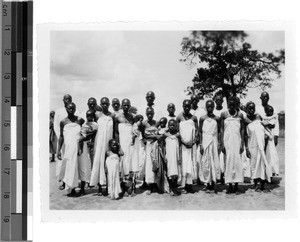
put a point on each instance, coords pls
(127, 64)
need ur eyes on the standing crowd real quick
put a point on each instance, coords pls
(209, 143)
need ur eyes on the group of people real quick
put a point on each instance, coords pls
(206, 143)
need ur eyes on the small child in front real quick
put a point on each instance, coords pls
(269, 122)
(173, 156)
(113, 169)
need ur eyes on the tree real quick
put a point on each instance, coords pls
(227, 63)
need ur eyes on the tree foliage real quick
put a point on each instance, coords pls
(227, 63)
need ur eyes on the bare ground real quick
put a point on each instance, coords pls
(248, 200)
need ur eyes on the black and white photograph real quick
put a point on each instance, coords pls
(165, 120)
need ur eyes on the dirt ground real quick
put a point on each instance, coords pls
(200, 200)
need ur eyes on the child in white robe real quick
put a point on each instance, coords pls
(269, 121)
(112, 163)
(173, 155)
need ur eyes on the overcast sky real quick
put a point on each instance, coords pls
(128, 64)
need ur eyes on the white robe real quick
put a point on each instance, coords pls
(261, 111)
(260, 168)
(104, 134)
(70, 158)
(210, 166)
(112, 164)
(232, 143)
(125, 135)
(187, 131)
(172, 155)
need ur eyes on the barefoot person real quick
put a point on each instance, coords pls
(69, 135)
(85, 161)
(52, 137)
(173, 155)
(123, 134)
(269, 122)
(112, 163)
(151, 136)
(232, 133)
(254, 140)
(218, 98)
(210, 140)
(188, 129)
(60, 114)
(104, 134)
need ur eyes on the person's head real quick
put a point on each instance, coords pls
(194, 101)
(115, 104)
(163, 122)
(269, 110)
(218, 98)
(52, 114)
(250, 108)
(264, 97)
(232, 103)
(150, 97)
(71, 109)
(92, 103)
(104, 104)
(67, 99)
(138, 118)
(172, 125)
(171, 109)
(90, 116)
(126, 105)
(210, 106)
(114, 146)
(150, 113)
(186, 105)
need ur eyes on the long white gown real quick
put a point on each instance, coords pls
(187, 131)
(260, 168)
(70, 157)
(125, 135)
(172, 155)
(210, 165)
(149, 174)
(104, 134)
(113, 169)
(232, 143)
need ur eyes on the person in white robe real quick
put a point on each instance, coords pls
(209, 132)
(113, 169)
(104, 134)
(232, 133)
(270, 120)
(123, 133)
(188, 129)
(255, 139)
(61, 114)
(220, 108)
(69, 136)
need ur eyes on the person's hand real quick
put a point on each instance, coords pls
(248, 154)
(223, 150)
(201, 150)
(241, 149)
(79, 152)
(276, 140)
(59, 155)
(219, 149)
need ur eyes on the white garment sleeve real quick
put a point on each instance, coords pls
(276, 129)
